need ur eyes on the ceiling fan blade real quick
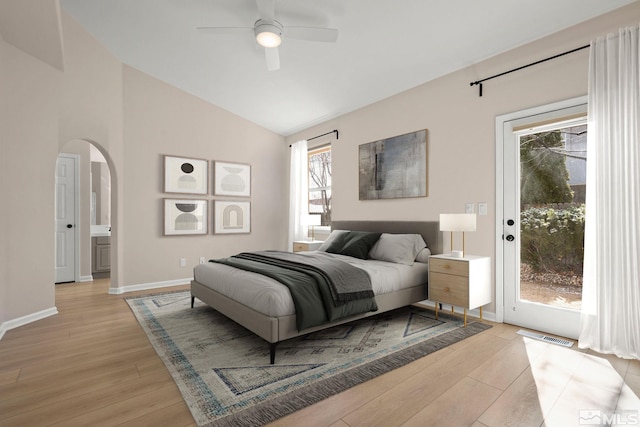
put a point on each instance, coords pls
(267, 9)
(223, 30)
(314, 34)
(273, 58)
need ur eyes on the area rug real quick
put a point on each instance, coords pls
(223, 370)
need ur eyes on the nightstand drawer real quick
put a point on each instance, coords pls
(449, 266)
(449, 288)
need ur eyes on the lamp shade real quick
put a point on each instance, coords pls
(457, 222)
(315, 220)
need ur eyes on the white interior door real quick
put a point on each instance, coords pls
(65, 218)
(520, 307)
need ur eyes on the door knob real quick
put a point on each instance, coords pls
(510, 222)
(69, 226)
(510, 238)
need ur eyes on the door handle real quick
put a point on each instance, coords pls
(510, 238)
(69, 225)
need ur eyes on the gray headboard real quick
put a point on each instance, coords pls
(430, 230)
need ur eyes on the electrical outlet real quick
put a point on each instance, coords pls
(482, 208)
(202, 260)
(469, 208)
(183, 262)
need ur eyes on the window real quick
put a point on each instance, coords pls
(320, 183)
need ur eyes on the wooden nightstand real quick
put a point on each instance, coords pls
(306, 245)
(463, 282)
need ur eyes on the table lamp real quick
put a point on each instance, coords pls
(313, 220)
(457, 222)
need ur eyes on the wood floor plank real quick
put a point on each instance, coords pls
(400, 403)
(176, 415)
(504, 367)
(135, 407)
(517, 406)
(447, 410)
(89, 402)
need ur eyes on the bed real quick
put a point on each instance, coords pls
(264, 306)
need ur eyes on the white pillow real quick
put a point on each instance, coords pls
(423, 256)
(334, 233)
(398, 248)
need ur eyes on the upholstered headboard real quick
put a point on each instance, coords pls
(430, 230)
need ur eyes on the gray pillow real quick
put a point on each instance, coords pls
(356, 244)
(334, 234)
(398, 248)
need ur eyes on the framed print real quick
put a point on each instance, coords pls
(185, 216)
(185, 175)
(231, 217)
(231, 179)
(394, 168)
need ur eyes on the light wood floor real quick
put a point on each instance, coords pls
(92, 365)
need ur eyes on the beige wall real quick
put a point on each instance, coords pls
(162, 120)
(29, 136)
(133, 119)
(461, 136)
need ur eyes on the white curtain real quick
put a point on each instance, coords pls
(298, 192)
(610, 320)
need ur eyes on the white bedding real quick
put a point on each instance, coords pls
(270, 297)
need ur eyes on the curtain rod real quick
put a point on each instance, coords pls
(325, 134)
(479, 82)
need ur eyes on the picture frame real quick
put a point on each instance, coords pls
(185, 217)
(231, 179)
(232, 217)
(394, 168)
(186, 175)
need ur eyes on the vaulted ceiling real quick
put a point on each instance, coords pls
(383, 47)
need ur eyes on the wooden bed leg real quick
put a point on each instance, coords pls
(272, 352)
(193, 300)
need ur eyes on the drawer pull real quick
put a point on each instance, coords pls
(446, 266)
(447, 289)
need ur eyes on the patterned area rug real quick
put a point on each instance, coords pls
(223, 370)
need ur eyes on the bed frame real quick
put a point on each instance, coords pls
(276, 329)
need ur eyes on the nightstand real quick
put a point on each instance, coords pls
(463, 282)
(306, 245)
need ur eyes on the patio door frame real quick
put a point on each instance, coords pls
(505, 259)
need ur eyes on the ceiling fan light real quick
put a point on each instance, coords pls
(267, 34)
(268, 39)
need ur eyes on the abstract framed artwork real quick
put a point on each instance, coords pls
(231, 179)
(185, 216)
(394, 168)
(231, 217)
(185, 175)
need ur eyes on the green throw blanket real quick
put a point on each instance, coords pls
(323, 288)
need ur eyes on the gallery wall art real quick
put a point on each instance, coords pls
(190, 216)
(231, 217)
(185, 216)
(185, 175)
(231, 179)
(394, 168)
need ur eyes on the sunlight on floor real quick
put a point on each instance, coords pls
(577, 388)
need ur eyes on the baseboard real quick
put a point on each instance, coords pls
(147, 286)
(88, 278)
(24, 320)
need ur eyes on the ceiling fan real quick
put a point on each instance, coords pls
(269, 32)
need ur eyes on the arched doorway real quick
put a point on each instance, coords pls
(89, 228)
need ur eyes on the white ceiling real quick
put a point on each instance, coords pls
(383, 47)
